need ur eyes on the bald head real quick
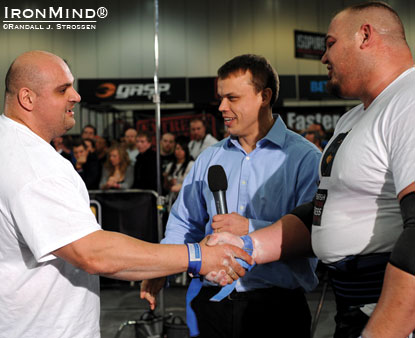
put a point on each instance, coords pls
(29, 70)
(40, 94)
(380, 16)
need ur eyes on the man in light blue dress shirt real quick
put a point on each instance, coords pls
(270, 170)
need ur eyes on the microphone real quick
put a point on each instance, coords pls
(218, 184)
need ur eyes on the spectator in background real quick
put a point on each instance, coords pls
(315, 138)
(167, 147)
(101, 149)
(89, 131)
(176, 171)
(87, 165)
(130, 136)
(145, 168)
(90, 145)
(200, 140)
(316, 133)
(118, 173)
(91, 148)
(63, 145)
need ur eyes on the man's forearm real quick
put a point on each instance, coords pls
(394, 315)
(286, 238)
(119, 256)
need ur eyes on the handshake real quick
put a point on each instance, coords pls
(221, 257)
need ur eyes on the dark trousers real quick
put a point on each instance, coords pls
(350, 322)
(356, 280)
(273, 312)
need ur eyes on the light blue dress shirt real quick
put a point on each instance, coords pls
(264, 185)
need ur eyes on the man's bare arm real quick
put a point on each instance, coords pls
(394, 315)
(119, 256)
(286, 238)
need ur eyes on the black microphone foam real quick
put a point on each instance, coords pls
(218, 185)
(217, 178)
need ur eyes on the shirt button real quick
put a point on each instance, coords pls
(248, 158)
(241, 207)
(243, 182)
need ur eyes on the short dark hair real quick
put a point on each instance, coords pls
(90, 140)
(380, 5)
(145, 134)
(371, 4)
(90, 126)
(263, 74)
(79, 143)
(198, 119)
(183, 142)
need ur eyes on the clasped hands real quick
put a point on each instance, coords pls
(219, 253)
(112, 183)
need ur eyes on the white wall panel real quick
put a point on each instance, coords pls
(108, 56)
(263, 29)
(241, 28)
(219, 37)
(173, 42)
(197, 38)
(284, 24)
(146, 53)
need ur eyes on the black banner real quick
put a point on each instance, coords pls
(309, 45)
(131, 90)
(128, 212)
(300, 118)
(313, 87)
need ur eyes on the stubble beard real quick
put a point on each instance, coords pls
(334, 88)
(69, 123)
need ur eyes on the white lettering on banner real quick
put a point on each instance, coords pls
(301, 122)
(127, 90)
(310, 42)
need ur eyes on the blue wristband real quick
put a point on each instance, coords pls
(195, 259)
(248, 248)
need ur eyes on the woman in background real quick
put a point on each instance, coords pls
(176, 171)
(117, 172)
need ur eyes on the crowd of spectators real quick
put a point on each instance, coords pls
(131, 161)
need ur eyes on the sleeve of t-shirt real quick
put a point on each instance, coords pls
(400, 143)
(51, 213)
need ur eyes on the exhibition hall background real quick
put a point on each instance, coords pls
(195, 36)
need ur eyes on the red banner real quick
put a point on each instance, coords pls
(177, 125)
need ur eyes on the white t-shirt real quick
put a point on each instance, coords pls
(196, 147)
(44, 205)
(171, 197)
(178, 174)
(357, 196)
(132, 154)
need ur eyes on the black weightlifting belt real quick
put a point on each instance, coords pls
(358, 280)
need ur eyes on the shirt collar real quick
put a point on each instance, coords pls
(275, 135)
